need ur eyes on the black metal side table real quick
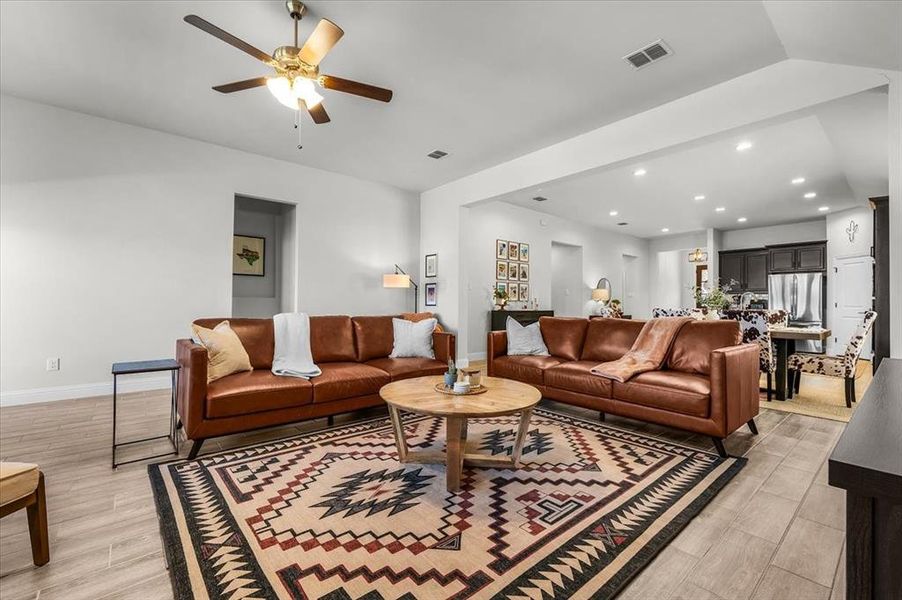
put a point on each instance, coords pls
(147, 366)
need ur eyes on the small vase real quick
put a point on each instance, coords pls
(449, 379)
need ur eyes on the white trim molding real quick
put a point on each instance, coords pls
(83, 390)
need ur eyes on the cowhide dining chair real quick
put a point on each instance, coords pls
(658, 312)
(755, 326)
(833, 366)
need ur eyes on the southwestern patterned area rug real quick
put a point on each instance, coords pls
(333, 515)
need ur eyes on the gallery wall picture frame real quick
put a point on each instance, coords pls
(501, 249)
(248, 255)
(524, 252)
(431, 294)
(432, 265)
(501, 270)
(513, 271)
(524, 292)
(513, 293)
(523, 272)
(513, 250)
(501, 286)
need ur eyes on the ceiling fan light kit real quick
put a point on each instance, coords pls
(296, 68)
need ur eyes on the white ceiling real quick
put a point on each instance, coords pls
(830, 145)
(485, 81)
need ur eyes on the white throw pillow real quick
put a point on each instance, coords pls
(524, 341)
(413, 339)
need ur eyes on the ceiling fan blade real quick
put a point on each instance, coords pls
(317, 113)
(355, 87)
(320, 42)
(237, 86)
(228, 38)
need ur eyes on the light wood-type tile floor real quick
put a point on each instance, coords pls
(776, 531)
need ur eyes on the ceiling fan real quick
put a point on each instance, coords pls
(296, 68)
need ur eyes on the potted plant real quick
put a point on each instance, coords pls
(500, 297)
(717, 299)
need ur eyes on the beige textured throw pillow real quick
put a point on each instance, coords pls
(225, 353)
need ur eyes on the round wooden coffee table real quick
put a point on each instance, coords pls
(504, 397)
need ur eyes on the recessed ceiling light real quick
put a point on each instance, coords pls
(720, 209)
(622, 224)
(699, 197)
(613, 213)
(664, 230)
(798, 180)
(824, 208)
(743, 146)
(639, 172)
(540, 198)
(811, 195)
(742, 219)
(437, 154)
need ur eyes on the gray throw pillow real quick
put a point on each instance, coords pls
(413, 339)
(524, 341)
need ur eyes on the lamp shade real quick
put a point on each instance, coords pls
(395, 280)
(601, 295)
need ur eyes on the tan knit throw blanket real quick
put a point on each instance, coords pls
(648, 351)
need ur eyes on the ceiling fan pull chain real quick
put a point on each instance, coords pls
(297, 125)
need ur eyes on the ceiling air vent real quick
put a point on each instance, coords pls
(650, 53)
(540, 198)
(622, 223)
(437, 154)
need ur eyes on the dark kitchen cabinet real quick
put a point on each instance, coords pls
(747, 267)
(798, 258)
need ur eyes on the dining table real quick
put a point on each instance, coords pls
(784, 339)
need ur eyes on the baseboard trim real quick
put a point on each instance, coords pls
(83, 390)
(477, 355)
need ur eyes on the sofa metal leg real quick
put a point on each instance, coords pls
(718, 443)
(752, 427)
(601, 416)
(849, 391)
(195, 448)
(330, 420)
(37, 525)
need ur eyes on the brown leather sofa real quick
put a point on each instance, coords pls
(709, 383)
(352, 353)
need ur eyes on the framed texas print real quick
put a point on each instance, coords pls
(431, 294)
(513, 271)
(524, 292)
(523, 274)
(513, 250)
(524, 252)
(513, 293)
(501, 249)
(432, 265)
(248, 255)
(501, 270)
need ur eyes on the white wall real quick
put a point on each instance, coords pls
(756, 237)
(669, 271)
(838, 246)
(566, 280)
(602, 257)
(113, 238)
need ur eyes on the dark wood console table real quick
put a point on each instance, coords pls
(867, 463)
(523, 317)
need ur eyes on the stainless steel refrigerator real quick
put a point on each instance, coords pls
(801, 295)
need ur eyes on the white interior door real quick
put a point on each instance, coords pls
(853, 285)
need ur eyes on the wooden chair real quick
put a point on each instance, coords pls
(22, 486)
(833, 366)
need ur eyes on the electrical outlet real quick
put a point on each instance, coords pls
(53, 364)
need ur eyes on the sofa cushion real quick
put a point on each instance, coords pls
(256, 336)
(528, 369)
(225, 353)
(609, 339)
(346, 380)
(17, 480)
(332, 339)
(405, 368)
(575, 377)
(691, 350)
(255, 391)
(373, 337)
(563, 336)
(672, 391)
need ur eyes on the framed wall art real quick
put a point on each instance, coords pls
(248, 255)
(523, 274)
(524, 292)
(432, 265)
(501, 249)
(513, 271)
(431, 294)
(524, 252)
(501, 270)
(513, 293)
(513, 250)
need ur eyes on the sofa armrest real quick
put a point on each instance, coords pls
(734, 386)
(496, 345)
(444, 346)
(192, 392)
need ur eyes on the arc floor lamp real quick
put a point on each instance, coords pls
(400, 279)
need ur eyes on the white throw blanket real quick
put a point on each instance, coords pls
(292, 356)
